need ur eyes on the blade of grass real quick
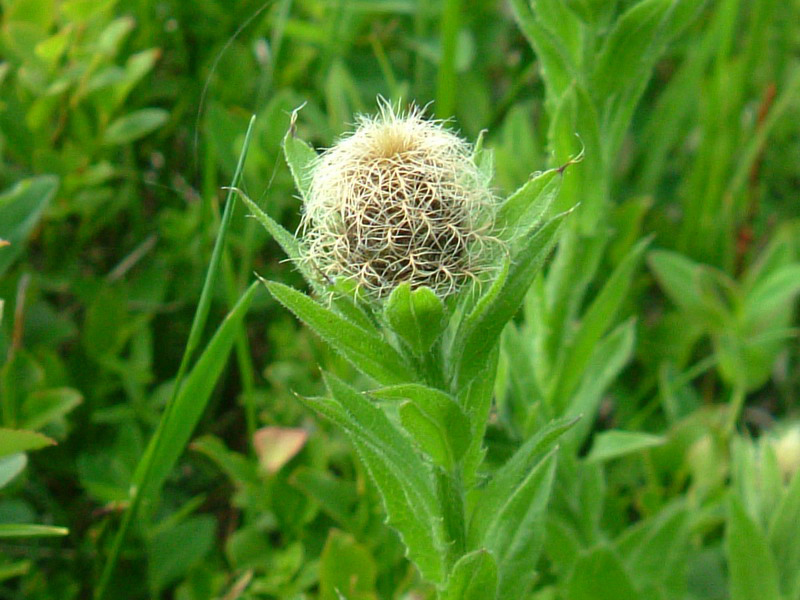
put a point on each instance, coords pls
(146, 465)
(446, 78)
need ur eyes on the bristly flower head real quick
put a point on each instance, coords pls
(399, 200)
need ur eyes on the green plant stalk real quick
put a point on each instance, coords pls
(146, 465)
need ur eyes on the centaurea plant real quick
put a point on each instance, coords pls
(417, 267)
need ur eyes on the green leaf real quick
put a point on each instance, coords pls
(478, 335)
(681, 279)
(300, 157)
(507, 516)
(175, 550)
(403, 480)
(286, 240)
(753, 574)
(21, 206)
(597, 319)
(612, 444)
(628, 48)
(600, 575)
(342, 301)
(22, 530)
(525, 208)
(434, 419)
(608, 359)
(474, 577)
(652, 549)
(134, 126)
(514, 534)
(346, 567)
(45, 406)
(773, 292)
(11, 466)
(154, 465)
(418, 316)
(558, 70)
(336, 497)
(513, 474)
(179, 422)
(22, 440)
(366, 351)
(782, 538)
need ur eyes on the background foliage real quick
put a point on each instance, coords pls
(667, 317)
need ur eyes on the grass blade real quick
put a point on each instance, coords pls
(146, 465)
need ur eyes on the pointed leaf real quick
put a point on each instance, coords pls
(598, 319)
(516, 532)
(557, 67)
(179, 423)
(753, 574)
(600, 575)
(526, 207)
(612, 444)
(608, 359)
(481, 330)
(366, 351)
(783, 538)
(403, 480)
(135, 125)
(20, 209)
(22, 440)
(474, 577)
(300, 157)
(511, 476)
(22, 530)
(431, 411)
(346, 570)
(11, 466)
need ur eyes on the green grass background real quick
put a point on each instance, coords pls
(120, 123)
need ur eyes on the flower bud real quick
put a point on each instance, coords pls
(398, 200)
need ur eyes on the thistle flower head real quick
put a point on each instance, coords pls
(398, 200)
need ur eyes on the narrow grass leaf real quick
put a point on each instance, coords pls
(366, 351)
(194, 394)
(8, 530)
(142, 476)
